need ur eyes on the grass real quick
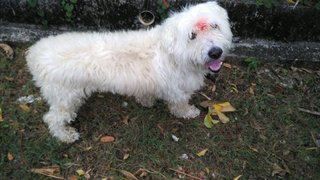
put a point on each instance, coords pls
(267, 137)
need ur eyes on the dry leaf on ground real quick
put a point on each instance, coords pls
(125, 120)
(252, 88)
(237, 178)
(209, 122)
(218, 109)
(25, 108)
(223, 118)
(276, 169)
(141, 173)
(10, 156)
(50, 171)
(206, 104)
(126, 156)
(127, 174)
(1, 117)
(227, 65)
(202, 152)
(80, 172)
(73, 177)
(107, 139)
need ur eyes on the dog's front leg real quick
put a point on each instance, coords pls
(184, 110)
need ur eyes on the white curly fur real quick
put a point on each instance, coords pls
(160, 63)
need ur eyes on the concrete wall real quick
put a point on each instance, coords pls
(283, 23)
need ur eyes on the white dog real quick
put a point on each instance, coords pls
(168, 62)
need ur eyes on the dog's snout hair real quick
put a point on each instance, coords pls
(215, 52)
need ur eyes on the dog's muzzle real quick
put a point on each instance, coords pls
(215, 63)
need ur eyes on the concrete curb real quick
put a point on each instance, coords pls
(243, 48)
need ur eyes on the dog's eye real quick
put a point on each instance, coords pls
(214, 26)
(193, 36)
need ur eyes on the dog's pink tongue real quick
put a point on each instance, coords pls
(214, 65)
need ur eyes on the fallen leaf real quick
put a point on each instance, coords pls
(209, 122)
(80, 172)
(217, 109)
(126, 120)
(227, 65)
(108, 178)
(127, 174)
(73, 177)
(25, 108)
(141, 173)
(50, 171)
(256, 126)
(237, 178)
(252, 88)
(1, 117)
(213, 88)
(223, 118)
(201, 175)
(161, 130)
(107, 139)
(207, 170)
(7, 50)
(10, 156)
(253, 149)
(87, 175)
(226, 107)
(306, 70)
(206, 104)
(9, 78)
(202, 152)
(276, 169)
(126, 156)
(234, 88)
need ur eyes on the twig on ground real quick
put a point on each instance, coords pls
(183, 173)
(207, 97)
(309, 111)
(49, 175)
(296, 4)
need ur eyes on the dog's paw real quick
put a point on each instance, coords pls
(66, 134)
(191, 112)
(185, 111)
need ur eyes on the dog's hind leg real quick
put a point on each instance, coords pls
(63, 106)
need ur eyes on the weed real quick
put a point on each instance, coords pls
(68, 7)
(33, 4)
(163, 9)
(252, 63)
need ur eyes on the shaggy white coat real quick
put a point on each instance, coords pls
(160, 63)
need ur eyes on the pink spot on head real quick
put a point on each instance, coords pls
(202, 25)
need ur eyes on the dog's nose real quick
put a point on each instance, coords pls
(215, 53)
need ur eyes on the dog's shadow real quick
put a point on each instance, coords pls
(104, 112)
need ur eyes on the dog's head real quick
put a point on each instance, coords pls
(199, 35)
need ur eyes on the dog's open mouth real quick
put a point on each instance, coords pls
(214, 65)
